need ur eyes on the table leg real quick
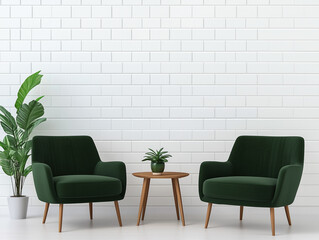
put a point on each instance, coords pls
(175, 199)
(146, 196)
(179, 199)
(142, 201)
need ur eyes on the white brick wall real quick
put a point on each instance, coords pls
(188, 75)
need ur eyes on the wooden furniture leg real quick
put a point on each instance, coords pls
(118, 213)
(46, 209)
(175, 199)
(60, 217)
(91, 210)
(141, 201)
(272, 219)
(241, 213)
(146, 196)
(179, 199)
(209, 209)
(288, 215)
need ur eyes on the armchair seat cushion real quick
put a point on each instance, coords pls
(243, 188)
(86, 186)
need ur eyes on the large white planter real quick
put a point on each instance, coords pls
(18, 207)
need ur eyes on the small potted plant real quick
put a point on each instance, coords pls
(16, 145)
(158, 159)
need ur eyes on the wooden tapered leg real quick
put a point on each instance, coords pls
(241, 213)
(209, 209)
(118, 213)
(179, 199)
(60, 217)
(145, 197)
(46, 209)
(91, 210)
(141, 201)
(288, 215)
(175, 199)
(272, 219)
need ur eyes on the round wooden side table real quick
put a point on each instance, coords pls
(174, 176)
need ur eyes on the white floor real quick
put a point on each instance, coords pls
(160, 223)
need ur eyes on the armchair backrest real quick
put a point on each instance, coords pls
(265, 156)
(66, 155)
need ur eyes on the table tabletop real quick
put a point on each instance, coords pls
(163, 175)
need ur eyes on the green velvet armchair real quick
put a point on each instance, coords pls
(260, 172)
(68, 169)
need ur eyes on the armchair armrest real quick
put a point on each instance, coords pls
(114, 169)
(287, 185)
(212, 169)
(43, 181)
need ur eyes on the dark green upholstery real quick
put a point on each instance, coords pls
(261, 172)
(81, 186)
(68, 169)
(242, 188)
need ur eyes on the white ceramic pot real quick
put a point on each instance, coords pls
(18, 207)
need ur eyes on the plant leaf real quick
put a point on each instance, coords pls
(6, 128)
(8, 123)
(10, 141)
(29, 113)
(39, 98)
(26, 133)
(28, 146)
(3, 145)
(159, 156)
(28, 84)
(152, 150)
(27, 170)
(147, 159)
(150, 154)
(36, 123)
(7, 166)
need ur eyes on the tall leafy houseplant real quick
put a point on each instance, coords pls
(16, 145)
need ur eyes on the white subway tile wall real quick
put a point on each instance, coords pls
(187, 75)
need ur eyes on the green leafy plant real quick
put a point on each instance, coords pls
(158, 156)
(16, 145)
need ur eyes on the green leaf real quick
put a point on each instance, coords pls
(150, 154)
(36, 123)
(158, 156)
(10, 141)
(8, 123)
(6, 128)
(4, 155)
(147, 159)
(29, 113)
(28, 84)
(39, 98)
(18, 156)
(152, 150)
(7, 141)
(25, 135)
(27, 146)
(8, 115)
(162, 153)
(7, 166)
(27, 170)
(3, 145)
